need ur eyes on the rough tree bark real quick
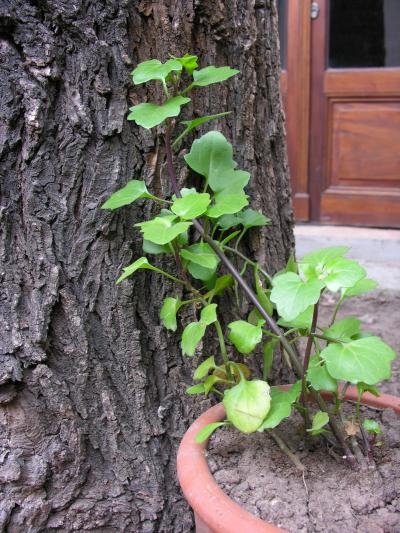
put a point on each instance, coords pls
(91, 386)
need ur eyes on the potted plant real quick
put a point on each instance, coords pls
(202, 229)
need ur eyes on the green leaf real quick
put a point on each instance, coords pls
(210, 155)
(302, 321)
(210, 381)
(201, 254)
(132, 191)
(247, 404)
(207, 431)
(251, 218)
(192, 124)
(342, 273)
(320, 420)
(153, 69)
(208, 314)
(149, 115)
(221, 284)
(152, 248)
(372, 427)
(205, 367)
(229, 221)
(227, 203)
(319, 377)
(188, 62)
(362, 286)
(312, 265)
(191, 337)
(363, 387)
(281, 405)
(191, 206)
(209, 75)
(162, 230)
(343, 330)
(244, 336)
(200, 272)
(291, 265)
(168, 312)
(195, 389)
(141, 263)
(292, 296)
(247, 218)
(229, 181)
(367, 360)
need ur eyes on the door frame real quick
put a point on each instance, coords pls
(298, 35)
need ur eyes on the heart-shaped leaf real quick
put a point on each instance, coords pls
(209, 75)
(227, 203)
(195, 389)
(367, 359)
(141, 263)
(281, 405)
(244, 336)
(192, 124)
(319, 377)
(207, 431)
(168, 312)
(247, 404)
(342, 273)
(312, 265)
(292, 295)
(208, 314)
(153, 69)
(188, 62)
(205, 367)
(229, 181)
(133, 190)
(302, 321)
(201, 254)
(320, 420)
(343, 330)
(191, 206)
(362, 286)
(191, 337)
(210, 155)
(149, 115)
(162, 230)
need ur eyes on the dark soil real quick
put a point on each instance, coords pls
(330, 497)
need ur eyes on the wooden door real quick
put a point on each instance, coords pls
(343, 110)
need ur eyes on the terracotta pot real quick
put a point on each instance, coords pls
(214, 511)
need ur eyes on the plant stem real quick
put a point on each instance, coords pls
(285, 448)
(306, 363)
(337, 307)
(336, 429)
(222, 346)
(295, 362)
(229, 266)
(249, 261)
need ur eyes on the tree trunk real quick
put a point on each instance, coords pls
(92, 402)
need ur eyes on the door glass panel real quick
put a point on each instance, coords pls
(364, 33)
(282, 22)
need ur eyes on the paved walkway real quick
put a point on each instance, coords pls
(378, 250)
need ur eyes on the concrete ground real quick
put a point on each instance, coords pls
(378, 250)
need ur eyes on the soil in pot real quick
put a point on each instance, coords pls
(330, 497)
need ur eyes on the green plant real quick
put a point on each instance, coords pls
(202, 230)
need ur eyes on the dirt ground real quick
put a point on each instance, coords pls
(330, 497)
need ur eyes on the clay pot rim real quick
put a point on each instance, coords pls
(214, 508)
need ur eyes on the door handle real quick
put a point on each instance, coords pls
(314, 11)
